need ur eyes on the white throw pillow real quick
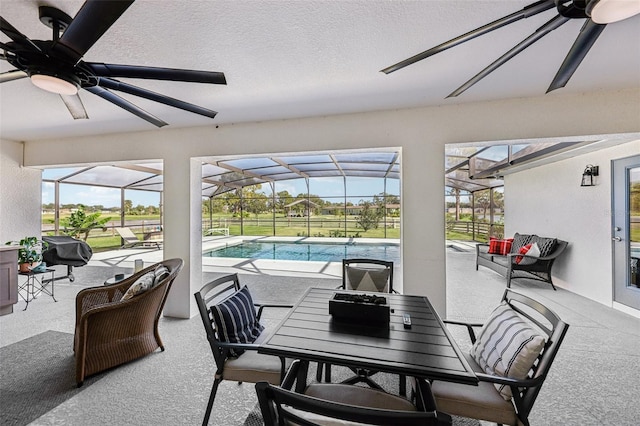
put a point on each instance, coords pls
(534, 250)
(507, 346)
(368, 279)
(142, 284)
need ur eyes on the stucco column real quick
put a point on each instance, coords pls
(183, 231)
(423, 224)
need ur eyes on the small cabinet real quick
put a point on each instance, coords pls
(8, 279)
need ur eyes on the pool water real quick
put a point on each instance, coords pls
(308, 252)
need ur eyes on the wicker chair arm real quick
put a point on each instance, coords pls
(554, 254)
(89, 298)
(537, 258)
(479, 245)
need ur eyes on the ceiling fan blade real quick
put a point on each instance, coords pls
(537, 35)
(15, 35)
(93, 19)
(530, 10)
(155, 73)
(147, 94)
(75, 106)
(125, 104)
(12, 75)
(589, 33)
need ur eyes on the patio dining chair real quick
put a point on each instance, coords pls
(511, 357)
(234, 331)
(329, 403)
(370, 275)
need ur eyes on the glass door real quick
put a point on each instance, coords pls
(626, 231)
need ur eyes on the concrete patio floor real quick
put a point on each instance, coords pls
(593, 381)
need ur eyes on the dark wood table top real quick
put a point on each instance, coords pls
(425, 350)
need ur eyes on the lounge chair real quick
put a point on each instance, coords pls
(212, 231)
(131, 240)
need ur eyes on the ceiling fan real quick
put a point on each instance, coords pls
(56, 65)
(597, 13)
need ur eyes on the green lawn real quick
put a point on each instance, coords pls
(321, 226)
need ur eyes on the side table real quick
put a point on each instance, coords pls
(36, 284)
(116, 279)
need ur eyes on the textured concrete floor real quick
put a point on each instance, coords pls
(594, 380)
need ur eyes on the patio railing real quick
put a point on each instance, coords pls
(476, 231)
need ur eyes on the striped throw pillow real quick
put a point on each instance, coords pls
(507, 346)
(235, 319)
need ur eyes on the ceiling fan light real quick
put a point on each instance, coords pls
(608, 11)
(54, 84)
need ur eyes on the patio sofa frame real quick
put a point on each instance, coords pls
(506, 265)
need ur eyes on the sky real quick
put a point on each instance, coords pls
(357, 188)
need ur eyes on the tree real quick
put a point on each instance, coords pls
(483, 200)
(456, 193)
(282, 199)
(383, 198)
(128, 205)
(368, 217)
(81, 223)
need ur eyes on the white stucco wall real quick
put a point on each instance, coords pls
(420, 133)
(550, 202)
(20, 195)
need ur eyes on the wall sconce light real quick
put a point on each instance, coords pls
(588, 175)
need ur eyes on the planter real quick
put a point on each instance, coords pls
(360, 308)
(25, 267)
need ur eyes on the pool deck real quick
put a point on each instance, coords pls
(124, 258)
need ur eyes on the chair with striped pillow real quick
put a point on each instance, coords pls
(234, 332)
(511, 356)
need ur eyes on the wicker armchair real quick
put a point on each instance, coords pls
(110, 331)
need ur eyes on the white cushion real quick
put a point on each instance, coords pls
(368, 279)
(142, 284)
(159, 274)
(529, 250)
(253, 367)
(507, 346)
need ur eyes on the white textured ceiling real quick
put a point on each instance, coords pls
(285, 59)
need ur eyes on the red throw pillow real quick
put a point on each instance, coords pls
(502, 247)
(523, 250)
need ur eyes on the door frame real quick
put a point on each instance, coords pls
(624, 296)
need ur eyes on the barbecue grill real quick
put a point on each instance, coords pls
(63, 250)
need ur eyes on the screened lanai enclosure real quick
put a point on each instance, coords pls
(474, 185)
(324, 195)
(341, 194)
(345, 194)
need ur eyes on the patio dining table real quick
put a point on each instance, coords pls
(426, 349)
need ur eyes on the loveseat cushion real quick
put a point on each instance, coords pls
(236, 320)
(507, 346)
(529, 250)
(519, 241)
(546, 245)
(502, 247)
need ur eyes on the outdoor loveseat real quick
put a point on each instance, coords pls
(509, 257)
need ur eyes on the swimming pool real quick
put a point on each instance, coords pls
(321, 252)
